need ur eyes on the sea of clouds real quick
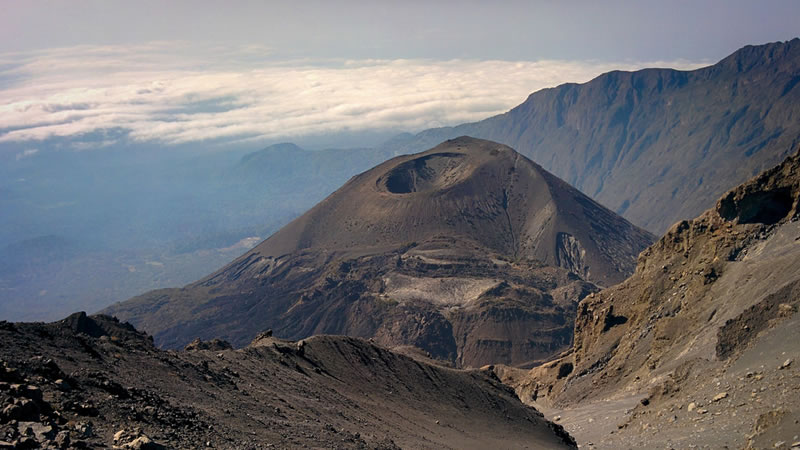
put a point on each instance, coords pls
(173, 93)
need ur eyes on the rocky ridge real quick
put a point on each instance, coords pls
(93, 382)
(697, 345)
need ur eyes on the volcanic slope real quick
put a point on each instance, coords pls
(468, 251)
(699, 346)
(655, 145)
(93, 382)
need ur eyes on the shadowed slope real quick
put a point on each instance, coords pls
(95, 377)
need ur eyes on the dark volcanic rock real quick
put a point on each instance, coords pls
(468, 251)
(326, 392)
(213, 344)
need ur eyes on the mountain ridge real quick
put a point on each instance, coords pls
(91, 381)
(602, 136)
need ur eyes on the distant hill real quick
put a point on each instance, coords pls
(655, 145)
(469, 251)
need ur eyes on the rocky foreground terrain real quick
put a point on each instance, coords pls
(93, 382)
(468, 251)
(699, 348)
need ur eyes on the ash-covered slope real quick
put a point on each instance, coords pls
(471, 189)
(468, 251)
(709, 318)
(93, 382)
(656, 145)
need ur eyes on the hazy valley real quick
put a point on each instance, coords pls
(610, 264)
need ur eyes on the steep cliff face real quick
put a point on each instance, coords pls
(469, 251)
(656, 145)
(711, 305)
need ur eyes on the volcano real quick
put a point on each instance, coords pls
(468, 251)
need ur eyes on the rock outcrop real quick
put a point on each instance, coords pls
(708, 317)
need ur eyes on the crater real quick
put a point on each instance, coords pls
(426, 173)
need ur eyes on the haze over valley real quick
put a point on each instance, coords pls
(380, 225)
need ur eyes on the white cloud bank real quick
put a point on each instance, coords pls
(168, 93)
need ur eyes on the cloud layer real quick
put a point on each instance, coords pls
(170, 93)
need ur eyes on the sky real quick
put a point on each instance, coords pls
(92, 73)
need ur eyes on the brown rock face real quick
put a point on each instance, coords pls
(469, 251)
(709, 317)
